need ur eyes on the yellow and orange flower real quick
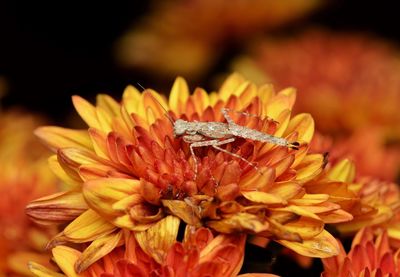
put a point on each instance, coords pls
(129, 171)
(367, 257)
(344, 88)
(200, 254)
(165, 45)
(366, 149)
(24, 176)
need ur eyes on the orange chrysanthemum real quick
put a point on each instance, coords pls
(366, 149)
(344, 88)
(366, 258)
(200, 254)
(129, 171)
(24, 176)
(164, 43)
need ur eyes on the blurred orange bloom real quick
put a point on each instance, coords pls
(367, 257)
(346, 81)
(200, 254)
(129, 171)
(24, 176)
(366, 149)
(165, 44)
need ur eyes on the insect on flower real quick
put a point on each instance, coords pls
(216, 134)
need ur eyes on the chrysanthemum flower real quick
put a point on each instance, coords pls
(367, 257)
(131, 171)
(200, 254)
(366, 149)
(344, 88)
(371, 201)
(24, 176)
(165, 43)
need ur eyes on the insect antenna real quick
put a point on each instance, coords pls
(162, 107)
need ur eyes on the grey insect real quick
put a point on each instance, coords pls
(216, 134)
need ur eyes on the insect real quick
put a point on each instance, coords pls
(215, 134)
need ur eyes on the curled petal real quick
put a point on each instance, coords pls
(323, 245)
(184, 210)
(240, 222)
(57, 208)
(303, 124)
(102, 194)
(66, 258)
(87, 227)
(158, 239)
(41, 271)
(96, 250)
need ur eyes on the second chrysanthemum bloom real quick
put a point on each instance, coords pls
(129, 171)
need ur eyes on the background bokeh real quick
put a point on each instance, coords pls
(51, 50)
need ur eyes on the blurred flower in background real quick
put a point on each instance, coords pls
(370, 255)
(347, 81)
(188, 37)
(24, 176)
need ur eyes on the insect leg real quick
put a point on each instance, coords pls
(195, 141)
(216, 145)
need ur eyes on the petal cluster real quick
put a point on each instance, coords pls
(367, 257)
(199, 254)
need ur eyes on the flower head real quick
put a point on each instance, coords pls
(372, 201)
(24, 176)
(367, 257)
(130, 170)
(199, 254)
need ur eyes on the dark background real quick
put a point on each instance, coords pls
(51, 50)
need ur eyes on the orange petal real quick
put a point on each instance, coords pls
(303, 124)
(57, 137)
(66, 257)
(158, 239)
(310, 199)
(87, 227)
(323, 245)
(108, 104)
(179, 95)
(343, 171)
(86, 111)
(99, 139)
(239, 222)
(188, 213)
(102, 194)
(41, 271)
(96, 250)
(310, 167)
(57, 208)
(231, 84)
(263, 197)
(285, 190)
(59, 171)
